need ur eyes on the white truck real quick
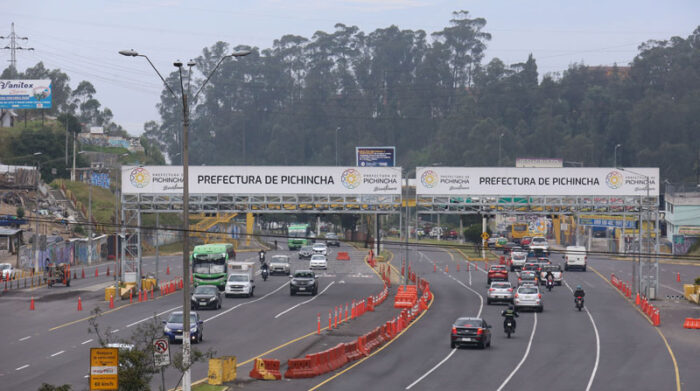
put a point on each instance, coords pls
(241, 279)
(575, 258)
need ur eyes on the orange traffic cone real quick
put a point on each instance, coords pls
(458, 267)
(167, 271)
(151, 293)
(80, 304)
(447, 269)
(31, 305)
(434, 268)
(97, 272)
(678, 277)
(82, 273)
(131, 296)
(111, 301)
(637, 301)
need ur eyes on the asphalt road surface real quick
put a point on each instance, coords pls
(610, 345)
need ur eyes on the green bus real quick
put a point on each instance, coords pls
(210, 264)
(297, 236)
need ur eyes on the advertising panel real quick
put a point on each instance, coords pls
(375, 156)
(263, 180)
(25, 94)
(566, 181)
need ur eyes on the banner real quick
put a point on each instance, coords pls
(263, 180)
(25, 94)
(375, 156)
(509, 181)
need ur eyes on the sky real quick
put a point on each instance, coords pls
(82, 38)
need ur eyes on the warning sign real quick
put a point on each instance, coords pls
(485, 236)
(161, 352)
(104, 368)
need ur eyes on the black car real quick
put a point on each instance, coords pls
(303, 281)
(206, 296)
(332, 240)
(306, 252)
(470, 331)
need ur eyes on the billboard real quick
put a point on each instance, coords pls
(375, 156)
(263, 180)
(25, 94)
(566, 181)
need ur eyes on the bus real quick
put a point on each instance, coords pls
(297, 235)
(210, 264)
(517, 231)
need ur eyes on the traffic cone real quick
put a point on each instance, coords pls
(458, 267)
(97, 272)
(167, 270)
(131, 296)
(111, 301)
(318, 320)
(140, 296)
(434, 268)
(31, 304)
(330, 321)
(447, 269)
(145, 295)
(82, 273)
(80, 304)
(346, 312)
(151, 293)
(335, 323)
(107, 270)
(637, 301)
(678, 277)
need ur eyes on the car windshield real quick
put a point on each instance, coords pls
(279, 259)
(237, 278)
(4, 266)
(527, 290)
(205, 289)
(331, 236)
(500, 285)
(304, 275)
(318, 258)
(177, 318)
(468, 323)
(498, 268)
(518, 256)
(307, 248)
(527, 275)
(539, 240)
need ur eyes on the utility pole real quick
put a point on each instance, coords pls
(13, 48)
(90, 218)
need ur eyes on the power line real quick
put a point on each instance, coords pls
(13, 46)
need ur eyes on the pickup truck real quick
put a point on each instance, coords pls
(556, 271)
(497, 273)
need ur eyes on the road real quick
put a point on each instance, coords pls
(608, 346)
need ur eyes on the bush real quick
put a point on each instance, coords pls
(79, 230)
(473, 233)
(20, 212)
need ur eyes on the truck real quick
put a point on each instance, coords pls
(241, 279)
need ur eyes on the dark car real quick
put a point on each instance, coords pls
(173, 327)
(470, 331)
(206, 296)
(303, 281)
(306, 252)
(332, 240)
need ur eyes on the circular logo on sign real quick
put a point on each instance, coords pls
(429, 178)
(614, 180)
(140, 177)
(351, 178)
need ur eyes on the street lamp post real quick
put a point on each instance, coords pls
(186, 380)
(35, 244)
(615, 155)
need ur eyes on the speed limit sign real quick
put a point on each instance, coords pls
(161, 352)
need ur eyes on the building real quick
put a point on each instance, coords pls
(682, 218)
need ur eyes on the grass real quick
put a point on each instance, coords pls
(208, 387)
(102, 200)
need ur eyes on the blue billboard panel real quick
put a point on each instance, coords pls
(375, 156)
(100, 180)
(25, 94)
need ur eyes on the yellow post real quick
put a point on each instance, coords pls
(249, 225)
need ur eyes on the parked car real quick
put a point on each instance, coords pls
(318, 261)
(206, 296)
(303, 281)
(497, 273)
(279, 264)
(470, 331)
(332, 239)
(8, 272)
(306, 252)
(500, 291)
(172, 328)
(528, 296)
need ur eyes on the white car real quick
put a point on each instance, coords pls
(7, 271)
(240, 285)
(318, 261)
(320, 248)
(539, 242)
(575, 258)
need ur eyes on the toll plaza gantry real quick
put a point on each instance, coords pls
(251, 189)
(485, 191)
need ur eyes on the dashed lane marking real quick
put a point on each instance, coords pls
(150, 317)
(88, 341)
(304, 302)
(527, 352)
(22, 367)
(246, 302)
(597, 343)
(432, 369)
(57, 353)
(24, 339)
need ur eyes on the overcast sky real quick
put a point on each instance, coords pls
(82, 37)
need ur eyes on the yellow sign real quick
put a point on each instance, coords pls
(485, 236)
(104, 368)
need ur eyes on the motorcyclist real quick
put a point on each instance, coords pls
(549, 277)
(509, 314)
(265, 270)
(262, 256)
(579, 293)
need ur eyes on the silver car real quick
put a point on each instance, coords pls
(500, 291)
(528, 296)
(320, 248)
(279, 264)
(527, 277)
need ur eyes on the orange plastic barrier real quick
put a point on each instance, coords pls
(298, 368)
(342, 256)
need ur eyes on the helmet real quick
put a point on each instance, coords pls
(578, 287)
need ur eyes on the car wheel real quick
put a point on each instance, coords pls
(68, 283)
(488, 301)
(482, 345)
(218, 306)
(227, 295)
(540, 309)
(192, 307)
(291, 293)
(584, 268)
(566, 268)
(452, 345)
(489, 344)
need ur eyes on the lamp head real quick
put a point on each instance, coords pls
(191, 63)
(240, 53)
(129, 53)
(178, 63)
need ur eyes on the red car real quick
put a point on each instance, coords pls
(525, 241)
(497, 273)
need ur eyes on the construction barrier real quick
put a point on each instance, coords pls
(691, 323)
(342, 256)
(221, 370)
(298, 368)
(266, 369)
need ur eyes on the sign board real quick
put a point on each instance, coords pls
(538, 162)
(25, 94)
(609, 221)
(485, 235)
(263, 180)
(104, 368)
(161, 352)
(375, 156)
(566, 181)
(687, 230)
(100, 179)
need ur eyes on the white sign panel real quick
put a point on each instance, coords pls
(161, 352)
(536, 181)
(263, 180)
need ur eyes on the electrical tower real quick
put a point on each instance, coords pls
(13, 46)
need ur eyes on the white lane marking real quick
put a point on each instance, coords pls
(88, 341)
(246, 302)
(469, 270)
(527, 351)
(478, 315)
(24, 339)
(86, 376)
(150, 317)
(57, 353)
(22, 367)
(663, 285)
(304, 302)
(597, 343)
(115, 331)
(432, 369)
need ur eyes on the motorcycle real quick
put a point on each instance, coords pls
(509, 327)
(550, 284)
(264, 274)
(579, 302)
